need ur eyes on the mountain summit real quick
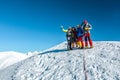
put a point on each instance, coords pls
(99, 63)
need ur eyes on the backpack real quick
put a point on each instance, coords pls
(79, 32)
(69, 35)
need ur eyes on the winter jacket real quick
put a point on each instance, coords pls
(86, 28)
(79, 32)
(69, 34)
(75, 33)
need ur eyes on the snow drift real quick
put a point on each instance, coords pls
(9, 58)
(100, 63)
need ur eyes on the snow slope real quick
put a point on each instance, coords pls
(100, 63)
(9, 58)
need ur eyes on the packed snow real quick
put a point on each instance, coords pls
(99, 63)
(10, 57)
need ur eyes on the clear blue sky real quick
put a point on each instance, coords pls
(29, 25)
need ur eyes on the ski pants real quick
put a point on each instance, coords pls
(69, 45)
(88, 39)
(80, 41)
(69, 42)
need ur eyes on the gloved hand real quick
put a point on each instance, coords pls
(87, 28)
(61, 27)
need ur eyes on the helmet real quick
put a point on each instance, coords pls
(78, 26)
(85, 21)
(70, 27)
(73, 27)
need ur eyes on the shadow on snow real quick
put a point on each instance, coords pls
(57, 50)
(62, 50)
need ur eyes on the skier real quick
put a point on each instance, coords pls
(86, 28)
(74, 37)
(69, 35)
(80, 37)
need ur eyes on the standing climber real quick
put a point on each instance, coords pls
(86, 28)
(80, 37)
(69, 35)
(74, 37)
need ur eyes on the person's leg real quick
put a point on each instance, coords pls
(81, 40)
(72, 44)
(86, 40)
(69, 45)
(90, 40)
(76, 43)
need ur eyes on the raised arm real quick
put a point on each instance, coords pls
(64, 30)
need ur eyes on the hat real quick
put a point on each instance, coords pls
(85, 21)
(78, 25)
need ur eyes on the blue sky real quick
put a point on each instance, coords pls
(30, 25)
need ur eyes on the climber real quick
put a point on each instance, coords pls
(86, 29)
(80, 37)
(69, 35)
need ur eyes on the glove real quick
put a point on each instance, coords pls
(87, 29)
(61, 27)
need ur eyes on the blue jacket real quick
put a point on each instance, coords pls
(79, 32)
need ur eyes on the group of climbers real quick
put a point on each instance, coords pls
(79, 36)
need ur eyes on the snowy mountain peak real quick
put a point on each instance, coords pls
(56, 63)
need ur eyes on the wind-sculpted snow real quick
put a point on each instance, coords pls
(10, 57)
(101, 63)
(52, 66)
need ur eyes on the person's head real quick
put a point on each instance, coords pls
(73, 28)
(69, 28)
(78, 26)
(85, 21)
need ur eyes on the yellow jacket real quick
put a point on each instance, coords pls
(64, 30)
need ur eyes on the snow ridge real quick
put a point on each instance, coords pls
(101, 63)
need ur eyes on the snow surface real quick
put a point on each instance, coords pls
(99, 63)
(10, 57)
(29, 54)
